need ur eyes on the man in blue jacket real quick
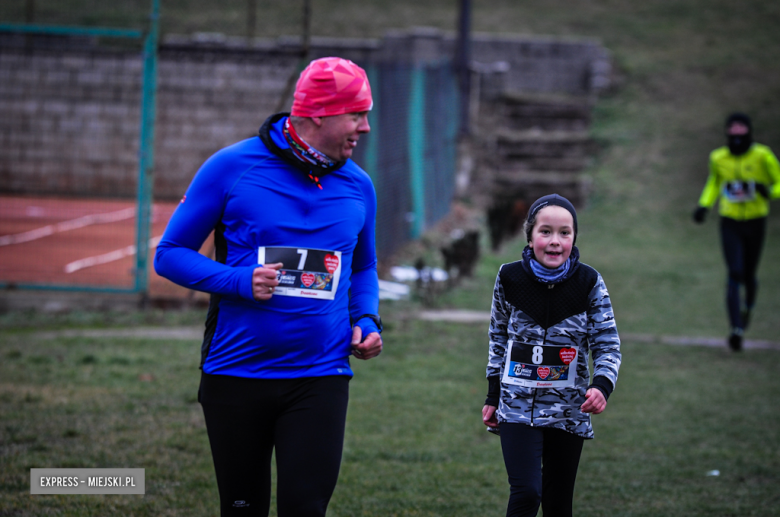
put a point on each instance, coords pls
(294, 291)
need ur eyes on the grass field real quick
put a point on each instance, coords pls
(415, 445)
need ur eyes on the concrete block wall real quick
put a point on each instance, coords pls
(69, 118)
(546, 65)
(69, 109)
(61, 117)
(208, 100)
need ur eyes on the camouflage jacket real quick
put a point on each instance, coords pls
(543, 322)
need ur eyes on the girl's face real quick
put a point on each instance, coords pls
(553, 236)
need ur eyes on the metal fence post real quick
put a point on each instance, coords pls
(417, 142)
(146, 154)
(372, 148)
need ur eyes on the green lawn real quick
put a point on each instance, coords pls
(415, 444)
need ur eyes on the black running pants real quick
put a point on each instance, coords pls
(541, 463)
(302, 419)
(742, 242)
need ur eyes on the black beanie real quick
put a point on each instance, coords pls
(741, 118)
(739, 144)
(544, 201)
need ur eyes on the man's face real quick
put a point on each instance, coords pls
(339, 134)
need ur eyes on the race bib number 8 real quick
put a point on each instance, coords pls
(307, 273)
(540, 366)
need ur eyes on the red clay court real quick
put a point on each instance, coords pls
(77, 242)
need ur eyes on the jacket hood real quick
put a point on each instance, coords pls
(286, 154)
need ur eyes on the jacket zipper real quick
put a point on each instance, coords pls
(544, 340)
(741, 179)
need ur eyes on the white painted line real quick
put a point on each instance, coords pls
(105, 258)
(64, 226)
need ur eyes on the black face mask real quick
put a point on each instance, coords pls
(739, 144)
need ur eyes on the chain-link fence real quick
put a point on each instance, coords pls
(411, 150)
(61, 115)
(69, 140)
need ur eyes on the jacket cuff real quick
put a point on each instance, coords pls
(602, 384)
(367, 326)
(494, 391)
(245, 284)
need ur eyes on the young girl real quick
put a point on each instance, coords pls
(549, 311)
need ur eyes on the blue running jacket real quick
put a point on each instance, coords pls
(263, 207)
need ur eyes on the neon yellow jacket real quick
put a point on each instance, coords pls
(733, 180)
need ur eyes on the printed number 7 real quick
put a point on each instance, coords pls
(537, 357)
(302, 262)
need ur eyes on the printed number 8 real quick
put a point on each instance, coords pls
(537, 358)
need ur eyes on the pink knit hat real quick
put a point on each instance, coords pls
(331, 86)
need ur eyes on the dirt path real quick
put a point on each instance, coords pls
(455, 316)
(481, 317)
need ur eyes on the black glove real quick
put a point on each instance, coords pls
(763, 190)
(699, 214)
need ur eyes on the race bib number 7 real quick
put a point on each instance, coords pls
(540, 366)
(307, 273)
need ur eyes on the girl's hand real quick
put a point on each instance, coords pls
(489, 416)
(594, 402)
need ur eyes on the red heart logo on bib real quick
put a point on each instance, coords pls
(331, 263)
(567, 355)
(543, 372)
(307, 279)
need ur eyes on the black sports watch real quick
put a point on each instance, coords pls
(373, 317)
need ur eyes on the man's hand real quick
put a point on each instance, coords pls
(699, 214)
(594, 402)
(489, 416)
(371, 347)
(763, 190)
(264, 281)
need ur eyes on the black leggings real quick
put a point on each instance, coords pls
(742, 242)
(303, 419)
(542, 466)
